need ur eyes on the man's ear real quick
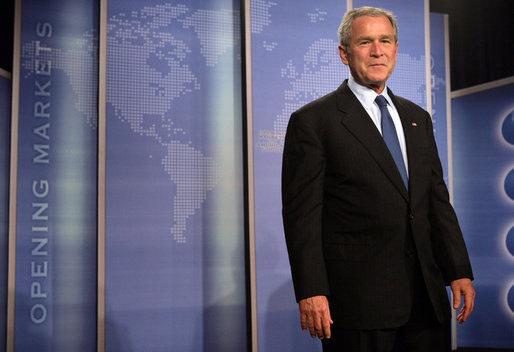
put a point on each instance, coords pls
(343, 53)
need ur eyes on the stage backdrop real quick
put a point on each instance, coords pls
(294, 61)
(175, 257)
(483, 162)
(175, 269)
(56, 209)
(440, 118)
(175, 236)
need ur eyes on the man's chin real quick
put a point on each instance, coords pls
(377, 80)
(375, 85)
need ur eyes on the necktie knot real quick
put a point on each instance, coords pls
(381, 101)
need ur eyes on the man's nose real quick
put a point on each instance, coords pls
(376, 49)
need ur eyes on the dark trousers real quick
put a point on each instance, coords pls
(422, 333)
(404, 339)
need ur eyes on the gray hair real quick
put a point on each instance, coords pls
(345, 29)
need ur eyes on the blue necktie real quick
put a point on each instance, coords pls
(391, 138)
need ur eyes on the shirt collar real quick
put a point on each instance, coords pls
(366, 95)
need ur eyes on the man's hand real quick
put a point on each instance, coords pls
(463, 287)
(315, 314)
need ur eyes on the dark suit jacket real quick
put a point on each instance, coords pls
(353, 230)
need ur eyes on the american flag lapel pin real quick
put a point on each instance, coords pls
(414, 124)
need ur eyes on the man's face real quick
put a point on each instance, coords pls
(372, 52)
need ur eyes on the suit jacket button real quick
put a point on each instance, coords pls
(411, 217)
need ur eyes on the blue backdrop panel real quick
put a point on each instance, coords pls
(5, 137)
(56, 213)
(438, 84)
(175, 271)
(294, 61)
(483, 159)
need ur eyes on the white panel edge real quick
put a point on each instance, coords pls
(251, 181)
(102, 125)
(482, 87)
(13, 178)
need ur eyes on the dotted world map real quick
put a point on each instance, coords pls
(149, 70)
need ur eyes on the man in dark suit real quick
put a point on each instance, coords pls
(371, 235)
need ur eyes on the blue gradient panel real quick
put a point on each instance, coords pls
(294, 61)
(483, 159)
(175, 234)
(438, 83)
(5, 137)
(56, 214)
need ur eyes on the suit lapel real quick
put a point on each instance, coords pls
(357, 121)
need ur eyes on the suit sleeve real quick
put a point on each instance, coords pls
(303, 172)
(448, 243)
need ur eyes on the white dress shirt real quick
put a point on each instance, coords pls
(367, 97)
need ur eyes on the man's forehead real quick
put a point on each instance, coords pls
(381, 35)
(361, 21)
(366, 18)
